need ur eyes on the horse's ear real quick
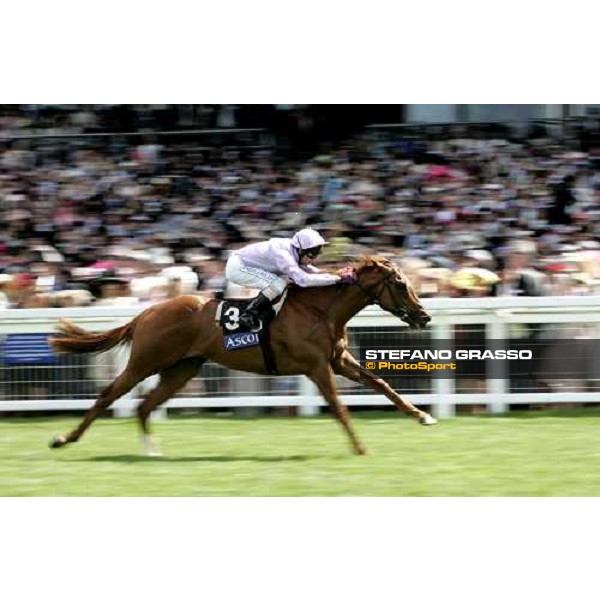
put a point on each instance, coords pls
(369, 261)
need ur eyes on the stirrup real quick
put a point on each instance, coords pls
(258, 327)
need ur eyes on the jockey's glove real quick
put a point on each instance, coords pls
(347, 276)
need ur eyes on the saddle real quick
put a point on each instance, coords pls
(237, 337)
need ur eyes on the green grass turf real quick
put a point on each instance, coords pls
(532, 454)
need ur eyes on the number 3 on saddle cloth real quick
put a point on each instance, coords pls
(237, 337)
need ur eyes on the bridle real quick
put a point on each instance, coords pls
(381, 286)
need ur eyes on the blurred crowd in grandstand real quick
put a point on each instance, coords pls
(123, 219)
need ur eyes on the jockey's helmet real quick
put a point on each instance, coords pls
(308, 242)
(307, 238)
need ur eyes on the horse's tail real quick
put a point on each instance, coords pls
(76, 340)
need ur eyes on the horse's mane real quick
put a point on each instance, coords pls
(368, 261)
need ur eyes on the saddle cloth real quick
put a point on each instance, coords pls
(235, 335)
(229, 311)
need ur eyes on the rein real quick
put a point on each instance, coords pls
(382, 285)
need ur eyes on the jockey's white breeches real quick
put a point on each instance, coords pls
(268, 283)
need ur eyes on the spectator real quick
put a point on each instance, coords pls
(559, 211)
(517, 278)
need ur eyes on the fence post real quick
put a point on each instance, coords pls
(443, 387)
(123, 408)
(496, 378)
(307, 388)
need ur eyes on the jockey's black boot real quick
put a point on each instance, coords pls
(251, 317)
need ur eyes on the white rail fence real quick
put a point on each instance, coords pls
(72, 383)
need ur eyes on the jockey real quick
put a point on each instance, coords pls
(269, 265)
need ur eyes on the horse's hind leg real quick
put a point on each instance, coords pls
(171, 380)
(349, 367)
(121, 385)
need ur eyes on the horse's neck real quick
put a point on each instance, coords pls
(338, 304)
(352, 300)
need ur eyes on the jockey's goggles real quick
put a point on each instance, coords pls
(312, 252)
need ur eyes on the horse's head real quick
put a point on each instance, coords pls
(386, 285)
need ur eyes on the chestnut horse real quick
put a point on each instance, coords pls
(308, 337)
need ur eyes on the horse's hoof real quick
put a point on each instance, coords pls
(154, 454)
(57, 441)
(427, 420)
(150, 449)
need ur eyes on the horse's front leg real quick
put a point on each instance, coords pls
(324, 379)
(349, 367)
